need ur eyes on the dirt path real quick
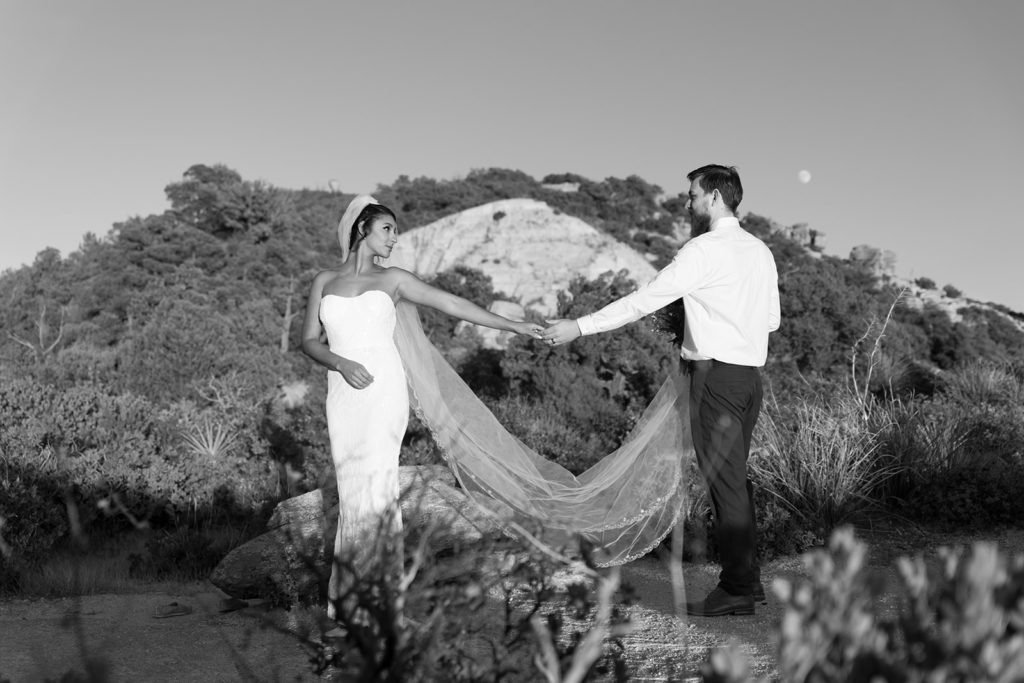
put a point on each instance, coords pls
(39, 640)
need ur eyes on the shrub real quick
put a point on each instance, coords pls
(951, 292)
(984, 381)
(492, 611)
(925, 283)
(979, 494)
(32, 512)
(822, 463)
(89, 444)
(957, 619)
(539, 426)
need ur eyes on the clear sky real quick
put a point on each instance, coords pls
(909, 115)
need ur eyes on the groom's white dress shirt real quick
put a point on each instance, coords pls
(730, 290)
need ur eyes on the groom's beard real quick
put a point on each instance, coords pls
(699, 224)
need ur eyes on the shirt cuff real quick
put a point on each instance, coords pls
(586, 325)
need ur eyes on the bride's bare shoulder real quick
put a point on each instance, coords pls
(398, 275)
(322, 279)
(395, 270)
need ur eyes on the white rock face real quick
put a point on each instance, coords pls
(528, 250)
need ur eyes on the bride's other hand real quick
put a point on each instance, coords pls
(354, 373)
(531, 329)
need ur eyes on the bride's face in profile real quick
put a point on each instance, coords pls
(381, 236)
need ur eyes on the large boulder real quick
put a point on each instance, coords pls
(286, 563)
(291, 561)
(529, 250)
(431, 504)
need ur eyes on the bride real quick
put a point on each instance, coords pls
(379, 361)
(367, 396)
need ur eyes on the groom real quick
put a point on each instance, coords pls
(729, 286)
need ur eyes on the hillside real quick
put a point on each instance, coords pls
(239, 253)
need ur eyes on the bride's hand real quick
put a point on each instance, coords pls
(532, 329)
(354, 373)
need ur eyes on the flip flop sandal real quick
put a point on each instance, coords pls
(232, 604)
(172, 609)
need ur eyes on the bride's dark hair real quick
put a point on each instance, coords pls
(366, 217)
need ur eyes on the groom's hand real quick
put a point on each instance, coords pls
(560, 331)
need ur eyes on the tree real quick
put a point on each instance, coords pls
(216, 200)
(35, 310)
(925, 283)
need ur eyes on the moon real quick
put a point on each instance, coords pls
(804, 176)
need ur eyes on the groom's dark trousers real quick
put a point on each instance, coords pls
(724, 404)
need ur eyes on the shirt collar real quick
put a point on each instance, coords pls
(726, 222)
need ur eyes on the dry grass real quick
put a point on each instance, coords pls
(70, 574)
(985, 381)
(825, 464)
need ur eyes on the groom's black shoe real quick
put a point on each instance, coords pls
(719, 603)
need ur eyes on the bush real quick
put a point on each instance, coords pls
(89, 444)
(822, 463)
(958, 619)
(977, 495)
(33, 517)
(492, 611)
(539, 425)
(951, 292)
(925, 283)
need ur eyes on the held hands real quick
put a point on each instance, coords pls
(531, 329)
(561, 331)
(354, 373)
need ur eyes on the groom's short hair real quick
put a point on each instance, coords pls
(725, 179)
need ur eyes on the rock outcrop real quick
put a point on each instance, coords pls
(529, 250)
(291, 560)
(878, 262)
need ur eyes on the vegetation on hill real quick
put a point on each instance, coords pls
(152, 367)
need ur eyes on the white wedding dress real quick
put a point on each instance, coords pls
(366, 427)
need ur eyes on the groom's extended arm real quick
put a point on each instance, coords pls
(686, 272)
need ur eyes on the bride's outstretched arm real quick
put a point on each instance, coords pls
(411, 288)
(353, 372)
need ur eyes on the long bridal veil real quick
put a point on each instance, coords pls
(625, 504)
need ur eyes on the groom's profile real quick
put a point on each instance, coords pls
(728, 282)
